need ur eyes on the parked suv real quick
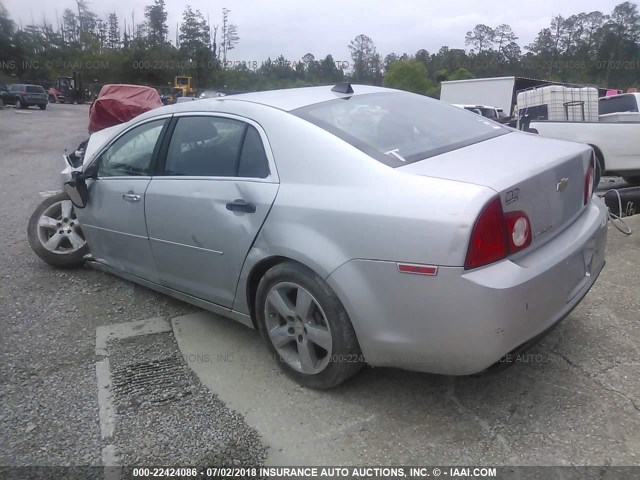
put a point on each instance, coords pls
(23, 96)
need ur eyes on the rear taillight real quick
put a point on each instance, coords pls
(518, 231)
(496, 235)
(588, 180)
(489, 237)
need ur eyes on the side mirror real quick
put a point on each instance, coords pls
(77, 190)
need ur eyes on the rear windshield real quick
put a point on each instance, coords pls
(623, 103)
(35, 89)
(398, 128)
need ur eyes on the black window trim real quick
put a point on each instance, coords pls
(272, 177)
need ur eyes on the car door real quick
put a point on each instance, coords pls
(113, 221)
(205, 208)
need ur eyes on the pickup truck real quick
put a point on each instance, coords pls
(615, 138)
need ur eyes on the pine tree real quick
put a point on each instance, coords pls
(113, 32)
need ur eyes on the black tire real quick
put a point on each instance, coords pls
(346, 358)
(42, 107)
(52, 99)
(633, 180)
(599, 170)
(20, 105)
(72, 259)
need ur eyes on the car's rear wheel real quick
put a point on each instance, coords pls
(55, 235)
(52, 99)
(306, 327)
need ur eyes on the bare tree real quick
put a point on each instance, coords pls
(229, 33)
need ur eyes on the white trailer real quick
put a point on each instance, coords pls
(497, 92)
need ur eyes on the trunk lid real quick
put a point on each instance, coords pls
(542, 177)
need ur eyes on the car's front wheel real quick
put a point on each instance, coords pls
(42, 107)
(55, 235)
(20, 105)
(306, 327)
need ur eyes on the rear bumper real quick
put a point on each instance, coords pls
(35, 101)
(461, 322)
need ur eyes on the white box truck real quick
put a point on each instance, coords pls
(497, 92)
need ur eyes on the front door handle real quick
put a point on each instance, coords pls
(241, 206)
(131, 197)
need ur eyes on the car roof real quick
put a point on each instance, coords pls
(293, 98)
(284, 100)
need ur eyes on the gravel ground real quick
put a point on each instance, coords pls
(48, 389)
(155, 392)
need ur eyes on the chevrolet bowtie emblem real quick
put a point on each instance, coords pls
(562, 185)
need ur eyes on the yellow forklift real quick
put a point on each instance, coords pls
(184, 85)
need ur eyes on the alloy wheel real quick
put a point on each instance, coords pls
(59, 230)
(298, 328)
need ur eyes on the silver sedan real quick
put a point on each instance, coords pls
(351, 225)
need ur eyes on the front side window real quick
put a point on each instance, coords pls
(132, 153)
(400, 128)
(216, 147)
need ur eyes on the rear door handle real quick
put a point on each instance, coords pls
(131, 197)
(241, 206)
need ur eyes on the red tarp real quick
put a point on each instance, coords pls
(120, 103)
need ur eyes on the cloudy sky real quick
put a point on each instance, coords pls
(295, 27)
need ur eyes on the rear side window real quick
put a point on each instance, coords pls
(35, 89)
(216, 147)
(623, 103)
(399, 128)
(16, 88)
(253, 159)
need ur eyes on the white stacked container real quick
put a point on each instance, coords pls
(569, 104)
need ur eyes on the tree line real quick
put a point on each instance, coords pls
(588, 48)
